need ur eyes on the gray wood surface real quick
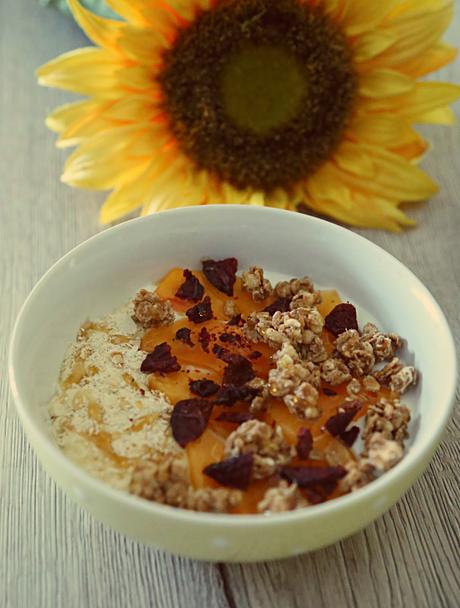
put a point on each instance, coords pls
(52, 553)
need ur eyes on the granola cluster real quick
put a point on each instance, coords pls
(385, 430)
(283, 497)
(255, 284)
(267, 444)
(165, 479)
(151, 311)
(295, 381)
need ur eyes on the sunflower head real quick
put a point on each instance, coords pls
(300, 104)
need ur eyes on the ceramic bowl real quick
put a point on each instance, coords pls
(103, 272)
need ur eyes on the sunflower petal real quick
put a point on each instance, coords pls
(103, 32)
(138, 78)
(100, 161)
(88, 71)
(384, 83)
(432, 59)
(380, 129)
(363, 210)
(64, 116)
(363, 16)
(393, 177)
(427, 97)
(129, 196)
(371, 44)
(142, 44)
(131, 11)
(440, 116)
(133, 108)
(92, 123)
(416, 32)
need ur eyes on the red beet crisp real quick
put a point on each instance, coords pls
(234, 472)
(160, 360)
(201, 312)
(203, 388)
(191, 288)
(304, 443)
(221, 274)
(189, 420)
(184, 334)
(341, 318)
(306, 477)
(338, 423)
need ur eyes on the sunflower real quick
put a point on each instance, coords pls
(298, 104)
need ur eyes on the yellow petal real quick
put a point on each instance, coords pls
(371, 44)
(103, 32)
(393, 177)
(427, 97)
(381, 129)
(414, 150)
(92, 123)
(138, 78)
(88, 71)
(360, 209)
(432, 59)
(416, 32)
(161, 16)
(355, 158)
(129, 196)
(142, 44)
(440, 116)
(64, 116)
(384, 83)
(133, 108)
(234, 196)
(364, 15)
(131, 10)
(100, 161)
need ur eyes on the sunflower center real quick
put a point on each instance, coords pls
(262, 88)
(258, 92)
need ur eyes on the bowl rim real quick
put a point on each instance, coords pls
(372, 490)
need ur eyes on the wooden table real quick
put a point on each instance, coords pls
(53, 554)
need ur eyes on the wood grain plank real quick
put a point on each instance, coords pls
(54, 554)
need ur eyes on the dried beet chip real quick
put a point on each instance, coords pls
(201, 312)
(203, 388)
(238, 371)
(304, 443)
(338, 423)
(160, 360)
(191, 288)
(307, 477)
(281, 305)
(221, 273)
(189, 419)
(341, 318)
(235, 417)
(329, 392)
(220, 352)
(230, 394)
(204, 338)
(236, 320)
(184, 335)
(234, 472)
(349, 437)
(256, 354)
(232, 338)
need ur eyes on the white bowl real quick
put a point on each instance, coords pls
(103, 272)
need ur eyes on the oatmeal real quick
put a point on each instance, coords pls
(231, 394)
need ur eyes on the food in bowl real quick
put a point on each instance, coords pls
(226, 393)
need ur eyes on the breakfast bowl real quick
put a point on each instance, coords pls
(107, 269)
